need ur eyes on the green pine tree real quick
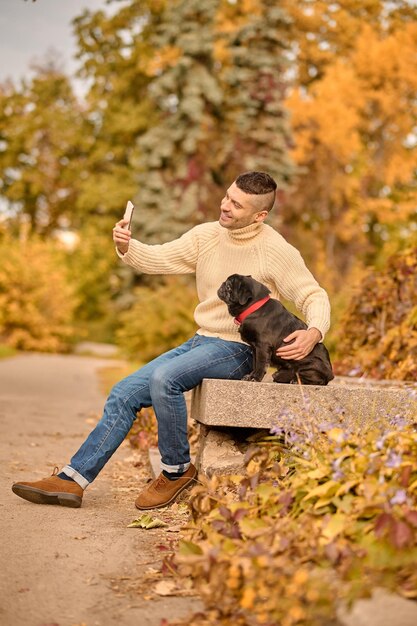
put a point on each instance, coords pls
(218, 93)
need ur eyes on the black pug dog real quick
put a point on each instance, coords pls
(264, 330)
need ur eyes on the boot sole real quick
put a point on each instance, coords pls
(162, 505)
(47, 497)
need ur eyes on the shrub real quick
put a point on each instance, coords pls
(378, 334)
(320, 517)
(91, 268)
(36, 300)
(160, 319)
(144, 434)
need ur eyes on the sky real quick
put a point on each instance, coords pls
(28, 30)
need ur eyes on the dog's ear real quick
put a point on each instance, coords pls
(259, 290)
(244, 294)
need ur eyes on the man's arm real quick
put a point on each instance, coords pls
(178, 256)
(296, 283)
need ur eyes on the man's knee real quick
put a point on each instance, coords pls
(159, 380)
(119, 391)
(125, 399)
(165, 379)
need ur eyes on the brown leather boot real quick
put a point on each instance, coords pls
(51, 490)
(163, 491)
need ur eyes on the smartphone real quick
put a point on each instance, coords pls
(129, 213)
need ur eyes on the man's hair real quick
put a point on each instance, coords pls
(256, 183)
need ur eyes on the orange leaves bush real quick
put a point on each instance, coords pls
(378, 334)
(311, 526)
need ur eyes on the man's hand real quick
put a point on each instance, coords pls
(122, 236)
(303, 343)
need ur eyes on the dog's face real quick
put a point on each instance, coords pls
(240, 291)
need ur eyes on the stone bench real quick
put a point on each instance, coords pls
(226, 409)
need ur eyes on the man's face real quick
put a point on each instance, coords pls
(239, 209)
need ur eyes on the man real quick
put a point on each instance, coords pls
(241, 243)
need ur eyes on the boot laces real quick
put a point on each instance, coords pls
(160, 482)
(56, 471)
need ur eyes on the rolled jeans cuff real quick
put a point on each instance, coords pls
(72, 473)
(175, 469)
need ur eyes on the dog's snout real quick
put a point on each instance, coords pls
(224, 290)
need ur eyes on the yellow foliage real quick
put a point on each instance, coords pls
(164, 58)
(232, 16)
(309, 559)
(36, 300)
(248, 598)
(378, 334)
(160, 319)
(352, 126)
(328, 116)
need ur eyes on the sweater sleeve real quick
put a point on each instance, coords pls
(297, 284)
(174, 257)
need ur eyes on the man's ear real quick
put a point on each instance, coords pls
(261, 216)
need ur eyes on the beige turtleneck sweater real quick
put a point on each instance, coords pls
(213, 253)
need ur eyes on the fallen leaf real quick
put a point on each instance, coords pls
(175, 529)
(147, 522)
(187, 548)
(165, 587)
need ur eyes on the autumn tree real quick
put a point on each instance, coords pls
(41, 143)
(114, 51)
(353, 112)
(183, 96)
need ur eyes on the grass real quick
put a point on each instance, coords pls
(6, 351)
(109, 376)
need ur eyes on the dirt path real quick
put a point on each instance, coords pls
(62, 566)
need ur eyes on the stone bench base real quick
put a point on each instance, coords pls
(224, 408)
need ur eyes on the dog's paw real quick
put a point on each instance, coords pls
(247, 377)
(251, 378)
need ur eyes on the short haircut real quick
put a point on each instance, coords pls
(257, 183)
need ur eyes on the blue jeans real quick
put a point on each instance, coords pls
(161, 384)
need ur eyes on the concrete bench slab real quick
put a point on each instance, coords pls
(225, 408)
(237, 403)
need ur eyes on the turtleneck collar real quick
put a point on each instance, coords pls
(243, 235)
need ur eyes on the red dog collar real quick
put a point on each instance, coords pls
(253, 307)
